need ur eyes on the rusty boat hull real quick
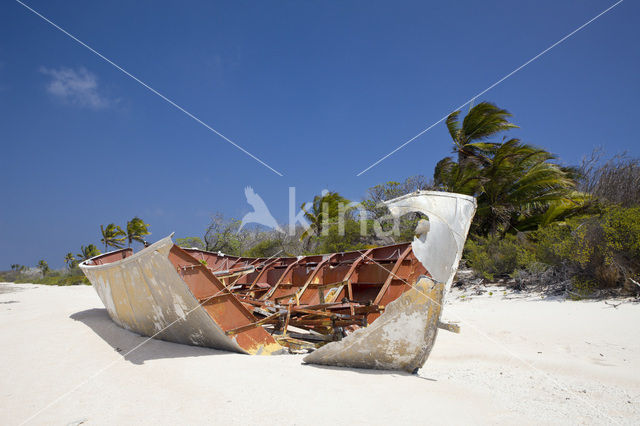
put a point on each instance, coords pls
(375, 308)
(144, 293)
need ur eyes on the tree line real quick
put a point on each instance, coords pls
(112, 236)
(538, 221)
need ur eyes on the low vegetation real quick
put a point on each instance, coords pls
(112, 236)
(72, 277)
(586, 255)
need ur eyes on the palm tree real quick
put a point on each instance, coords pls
(521, 183)
(470, 138)
(558, 210)
(112, 236)
(450, 176)
(136, 230)
(324, 212)
(16, 267)
(518, 188)
(517, 185)
(88, 252)
(70, 260)
(43, 266)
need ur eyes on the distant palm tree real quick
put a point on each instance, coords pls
(136, 230)
(18, 268)
(470, 138)
(112, 236)
(43, 266)
(88, 252)
(70, 260)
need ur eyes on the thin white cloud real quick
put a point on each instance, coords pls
(75, 86)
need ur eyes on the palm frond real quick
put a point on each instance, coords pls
(453, 124)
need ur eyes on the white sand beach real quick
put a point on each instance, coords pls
(518, 359)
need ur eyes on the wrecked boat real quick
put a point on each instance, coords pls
(375, 308)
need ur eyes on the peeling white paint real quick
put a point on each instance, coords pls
(450, 215)
(179, 306)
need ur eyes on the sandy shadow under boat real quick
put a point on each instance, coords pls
(124, 341)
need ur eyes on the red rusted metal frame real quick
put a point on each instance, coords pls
(315, 271)
(348, 275)
(247, 327)
(235, 263)
(239, 272)
(307, 313)
(310, 317)
(112, 256)
(337, 280)
(392, 275)
(355, 264)
(395, 250)
(255, 261)
(282, 277)
(221, 305)
(214, 261)
(264, 269)
(223, 265)
(232, 267)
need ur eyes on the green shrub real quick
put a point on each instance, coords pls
(493, 256)
(61, 278)
(582, 287)
(558, 242)
(265, 248)
(335, 241)
(622, 230)
(601, 251)
(190, 242)
(588, 253)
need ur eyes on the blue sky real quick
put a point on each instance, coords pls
(318, 90)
